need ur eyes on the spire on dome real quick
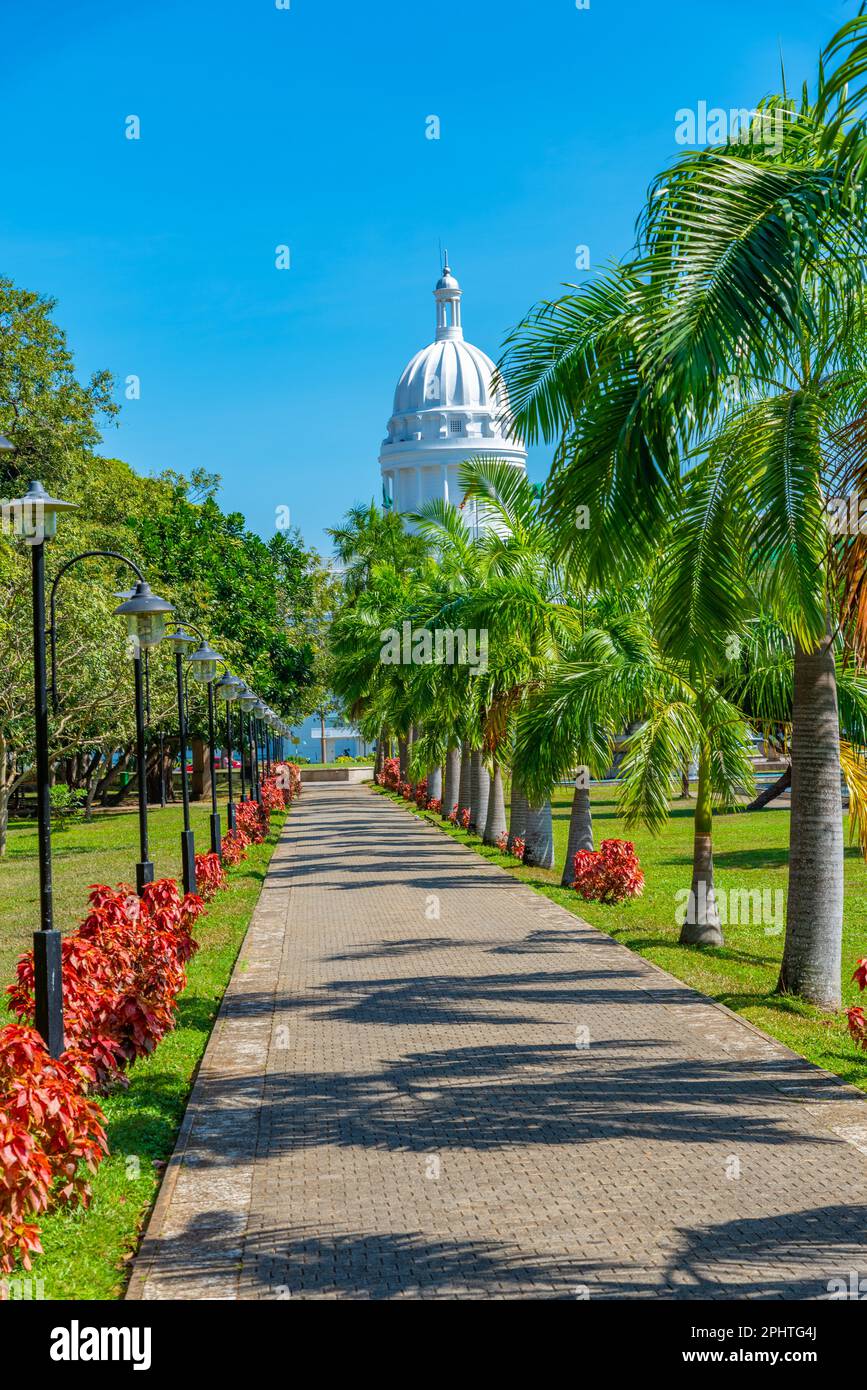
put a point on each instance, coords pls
(448, 297)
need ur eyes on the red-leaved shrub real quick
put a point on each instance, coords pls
(122, 970)
(210, 876)
(855, 1015)
(518, 847)
(465, 818)
(234, 847)
(288, 778)
(610, 874)
(389, 777)
(273, 796)
(51, 1136)
(435, 804)
(420, 793)
(251, 820)
(503, 841)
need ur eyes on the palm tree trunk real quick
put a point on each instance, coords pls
(403, 756)
(435, 783)
(580, 831)
(464, 791)
(452, 781)
(517, 814)
(495, 822)
(701, 926)
(539, 836)
(814, 911)
(480, 785)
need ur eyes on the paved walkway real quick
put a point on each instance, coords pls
(393, 1103)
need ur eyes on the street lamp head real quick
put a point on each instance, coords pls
(246, 699)
(34, 516)
(228, 687)
(203, 664)
(181, 641)
(145, 613)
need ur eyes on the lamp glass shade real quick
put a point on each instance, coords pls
(203, 664)
(228, 688)
(33, 517)
(247, 700)
(145, 614)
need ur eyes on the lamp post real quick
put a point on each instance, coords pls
(181, 641)
(146, 615)
(203, 665)
(35, 520)
(246, 701)
(256, 714)
(228, 688)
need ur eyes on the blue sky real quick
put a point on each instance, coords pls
(306, 127)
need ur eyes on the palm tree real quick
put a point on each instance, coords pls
(733, 339)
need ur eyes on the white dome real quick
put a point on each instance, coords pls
(445, 410)
(446, 373)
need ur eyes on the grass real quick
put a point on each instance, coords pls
(105, 851)
(750, 852)
(87, 1252)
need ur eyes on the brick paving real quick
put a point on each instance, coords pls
(427, 1081)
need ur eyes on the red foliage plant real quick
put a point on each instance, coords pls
(420, 793)
(855, 1015)
(122, 970)
(51, 1136)
(389, 777)
(518, 847)
(465, 818)
(288, 778)
(251, 820)
(503, 841)
(435, 804)
(273, 796)
(453, 815)
(610, 874)
(210, 876)
(234, 847)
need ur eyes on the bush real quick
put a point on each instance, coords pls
(210, 876)
(464, 818)
(389, 777)
(518, 847)
(435, 804)
(122, 971)
(67, 806)
(234, 847)
(420, 793)
(51, 1137)
(503, 842)
(610, 874)
(251, 820)
(855, 1015)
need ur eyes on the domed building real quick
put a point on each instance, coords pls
(445, 410)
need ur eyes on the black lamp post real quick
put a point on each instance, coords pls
(181, 641)
(228, 688)
(246, 701)
(203, 665)
(146, 615)
(35, 521)
(256, 714)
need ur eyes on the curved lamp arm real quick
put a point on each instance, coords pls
(52, 631)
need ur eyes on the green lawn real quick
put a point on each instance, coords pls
(750, 852)
(87, 1252)
(106, 851)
